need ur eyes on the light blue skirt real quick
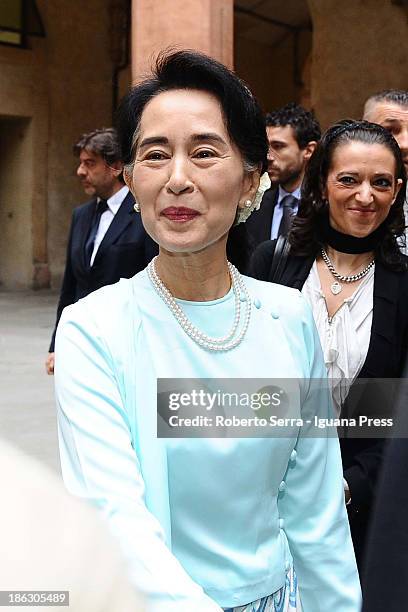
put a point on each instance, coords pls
(285, 600)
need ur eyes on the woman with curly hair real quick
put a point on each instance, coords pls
(343, 255)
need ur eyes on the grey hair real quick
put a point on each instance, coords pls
(394, 96)
(103, 142)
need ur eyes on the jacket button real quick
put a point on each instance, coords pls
(257, 303)
(274, 315)
(282, 486)
(293, 455)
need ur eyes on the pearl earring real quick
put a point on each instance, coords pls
(136, 206)
(248, 203)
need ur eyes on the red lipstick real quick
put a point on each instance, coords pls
(180, 214)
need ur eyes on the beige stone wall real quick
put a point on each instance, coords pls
(62, 84)
(269, 71)
(23, 95)
(359, 47)
(80, 96)
(16, 177)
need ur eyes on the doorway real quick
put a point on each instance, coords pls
(272, 50)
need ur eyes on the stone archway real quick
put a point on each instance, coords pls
(272, 42)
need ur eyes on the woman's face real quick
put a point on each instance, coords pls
(361, 187)
(188, 176)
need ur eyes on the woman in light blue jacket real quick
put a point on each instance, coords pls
(249, 523)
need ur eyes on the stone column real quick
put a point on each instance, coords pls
(359, 48)
(204, 25)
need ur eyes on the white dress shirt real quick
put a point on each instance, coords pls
(346, 335)
(404, 248)
(278, 210)
(114, 204)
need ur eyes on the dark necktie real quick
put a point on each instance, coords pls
(100, 208)
(289, 204)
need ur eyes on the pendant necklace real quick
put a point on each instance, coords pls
(337, 287)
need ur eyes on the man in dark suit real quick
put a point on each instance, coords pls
(107, 240)
(293, 133)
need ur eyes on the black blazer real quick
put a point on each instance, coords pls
(125, 250)
(386, 574)
(259, 224)
(386, 355)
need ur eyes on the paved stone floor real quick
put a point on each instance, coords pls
(27, 413)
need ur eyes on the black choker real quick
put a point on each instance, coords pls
(349, 244)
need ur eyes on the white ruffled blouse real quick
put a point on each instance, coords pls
(346, 335)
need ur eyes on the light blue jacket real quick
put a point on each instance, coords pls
(111, 348)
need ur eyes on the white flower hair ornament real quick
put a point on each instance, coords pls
(249, 207)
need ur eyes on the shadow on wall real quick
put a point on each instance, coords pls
(16, 186)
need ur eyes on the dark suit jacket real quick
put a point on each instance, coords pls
(125, 250)
(259, 223)
(386, 575)
(387, 350)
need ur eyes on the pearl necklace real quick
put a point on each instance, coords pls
(336, 287)
(226, 343)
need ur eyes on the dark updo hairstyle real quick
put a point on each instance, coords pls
(243, 117)
(305, 236)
